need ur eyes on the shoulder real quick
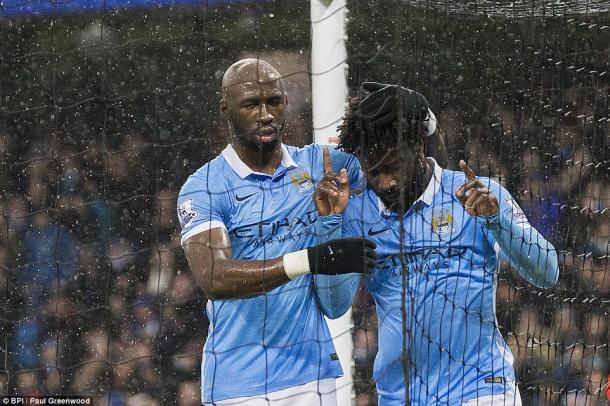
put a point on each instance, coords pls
(311, 157)
(297, 152)
(315, 151)
(307, 156)
(342, 156)
(211, 177)
(311, 153)
(450, 177)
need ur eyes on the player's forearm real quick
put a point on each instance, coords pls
(526, 249)
(235, 279)
(335, 293)
(222, 277)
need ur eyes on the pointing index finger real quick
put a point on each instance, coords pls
(328, 167)
(470, 175)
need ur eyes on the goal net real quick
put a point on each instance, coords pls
(521, 92)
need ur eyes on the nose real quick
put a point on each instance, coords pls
(264, 116)
(388, 182)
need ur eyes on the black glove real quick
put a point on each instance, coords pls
(382, 106)
(346, 255)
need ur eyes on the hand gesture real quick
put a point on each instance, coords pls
(476, 199)
(332, 194)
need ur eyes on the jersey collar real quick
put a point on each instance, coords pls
(433, 186)
(243, 170)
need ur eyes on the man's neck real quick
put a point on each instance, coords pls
(421, 185)
(259, 160)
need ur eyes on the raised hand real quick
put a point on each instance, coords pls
(476, 199)
(332, 193)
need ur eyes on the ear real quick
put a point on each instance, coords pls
(224, 108)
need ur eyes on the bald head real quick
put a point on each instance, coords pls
(254, 104)
(249, 70)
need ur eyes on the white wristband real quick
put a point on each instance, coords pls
(296, 264)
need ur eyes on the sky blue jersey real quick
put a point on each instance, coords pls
(445, 284)
(279, 339)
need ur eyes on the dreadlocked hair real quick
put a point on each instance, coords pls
(358, 136)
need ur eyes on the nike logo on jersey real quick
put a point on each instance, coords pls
(241, 198)
(375, 232)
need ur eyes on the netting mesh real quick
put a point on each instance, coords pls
(514, 9)
(526, 102)
(103, 116)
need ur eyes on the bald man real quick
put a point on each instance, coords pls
(251, 234)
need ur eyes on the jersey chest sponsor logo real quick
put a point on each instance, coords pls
(187, 213)
(423, 254)
(301, 180)
(271, 228)
(442, 222)
(420, 260)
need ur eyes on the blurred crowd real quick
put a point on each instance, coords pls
(99, 299)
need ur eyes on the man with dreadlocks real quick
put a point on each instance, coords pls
(439, 236)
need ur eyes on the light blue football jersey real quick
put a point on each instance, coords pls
(279, 339)
(447, 292)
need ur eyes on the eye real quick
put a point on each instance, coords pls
(249, 105)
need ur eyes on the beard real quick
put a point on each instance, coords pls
(254, 139)
(411, 188)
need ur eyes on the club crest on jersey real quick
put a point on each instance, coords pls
(187, 213)
(302, 181)
(442, 222)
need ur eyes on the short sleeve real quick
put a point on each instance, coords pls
(199, 207)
